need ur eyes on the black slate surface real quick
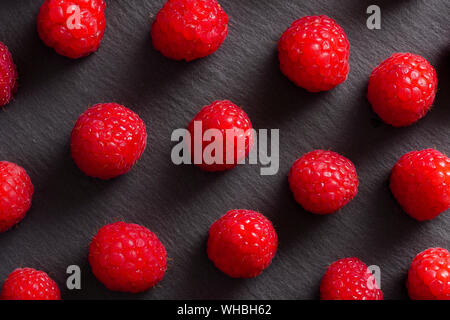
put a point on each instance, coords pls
(180, 202)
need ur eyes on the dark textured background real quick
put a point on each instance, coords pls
(180, 202)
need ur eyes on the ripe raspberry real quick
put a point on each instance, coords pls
(29, 284)
(349, 279)
(314, 53)
(236, 136)
(16, 192)
(402, 89)
(323, 181)
(74, 28)
(127, 257)
(8, 75)
(429, 275)
(420, 181)
(189, 29)
(242, 243)
(107, 140)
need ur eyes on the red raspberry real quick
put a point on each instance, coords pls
(189, 29)
(29, 284)
(127, 257)
(16, 192)
(236, 133)
(349, 279)
(420, 181)
(314, 53)
(323, 181)
(429, 275)
(402, 89)
(74, 28)
(107, 140)
(8, 75)
(242, 243)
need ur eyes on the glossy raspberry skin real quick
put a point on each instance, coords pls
(314, 53)
(242, 243)
(402, 89)
(16, 193)
(8, 75)
(57, 26)
(127, 257)
(420, 181)
(323, 181)
(223, 115)
(29, 284)
(107, 140)
(189, 29)
(349, 279)
(429, 275)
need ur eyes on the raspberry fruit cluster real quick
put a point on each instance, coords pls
(108, 139)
